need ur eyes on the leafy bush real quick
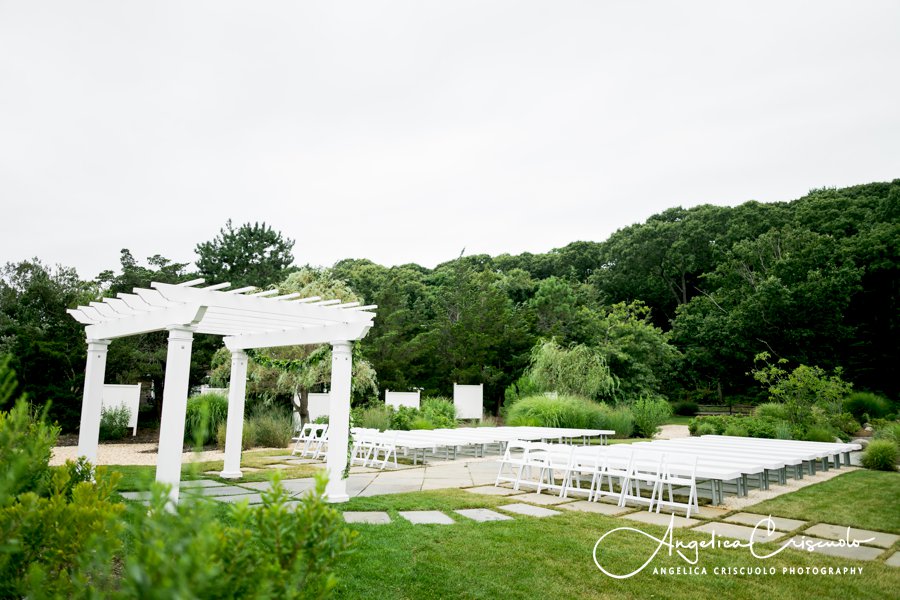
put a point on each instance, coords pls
(402, 417)
(203, 415)
(440, 411)
(889, 431)
(880, 455)
(867, 403)
(114, 422)
(706, 429)
(736, 430)
(619, 419)
(685, 408)
(844, 425)
(783, 431)
(272, 428)
(562, 411)
(802, 389)
(649, 413)
(421, 423)
(818, 434)
(771, 410)
(376, 416)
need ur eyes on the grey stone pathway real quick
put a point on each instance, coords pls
(595, 507)
(529, 510)
(859, 553)
(483, 515)
(751, 519)
(426, 517)
(367, 517)
(894, 560)
(739, 532)
(836, 532)
(662, 519)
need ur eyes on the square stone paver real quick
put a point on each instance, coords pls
(894, 560)
(225, 490)
(490, 490)
(529, 510)
(543, 499)
(595, 507)
(250, 498)
(663, 519)
(858, 553)
(483, 515)
(444, 483)
(200, 483)
(426, 517)
(709, 512)
(140, 496)
(739, 532)
(368, 517)
(781, 524)
(278, 466)
(380, 489)
(837, 532)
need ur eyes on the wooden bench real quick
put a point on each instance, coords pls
(706, 410)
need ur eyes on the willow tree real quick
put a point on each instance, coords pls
(578, 370)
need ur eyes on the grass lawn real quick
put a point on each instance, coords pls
(864, 499)
(678, 420)
(139, 477)
(552, 557)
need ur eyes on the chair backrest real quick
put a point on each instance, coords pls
(680, 464)
(618, 457)
(647, 461)
(306, 431)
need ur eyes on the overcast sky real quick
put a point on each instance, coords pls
(405, 131)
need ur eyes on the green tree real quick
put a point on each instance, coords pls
(249, 255)
(578, 370)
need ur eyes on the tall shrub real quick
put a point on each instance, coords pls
(577, 371)
(649, 413)
(203, 415)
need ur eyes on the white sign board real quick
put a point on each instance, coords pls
(398, 399)
(128, 396)
(469, 401)
(317, 406)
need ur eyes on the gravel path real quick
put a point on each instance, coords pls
(129, 454)
(671, 432)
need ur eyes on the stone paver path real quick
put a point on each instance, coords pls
(529, 510)
(595, 507)
(367, 517)
(751, 519)
(483, 515)
(859, 553)
(426, 517)
(663, 519)
(542, 499)
(894, 560)
(739, 532)
(200, 483)
(836, 532)
(489, 490)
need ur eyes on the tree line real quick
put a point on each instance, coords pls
(677, 306)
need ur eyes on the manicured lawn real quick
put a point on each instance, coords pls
(679, 420)
(864, 499)
(552, 557)
(139, 477)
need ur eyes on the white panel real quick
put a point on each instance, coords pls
(124, 395)
(317, 405)
(469, 401)
(398, 399)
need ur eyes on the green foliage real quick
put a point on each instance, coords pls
(402, 417)
(845, 424)
(649, 413)
(272, 427)
(578, 371)
(114, 422)
(783, 431)
(568, 412)
(819, 434)
(771, 410)
(440, 411)
(758, 427)
(249, 255)
(889, 431)
(203, 415)
(522, 387)
(734, 429)
(421, 422)
(685, 408)
(706, 429)
(880, 455)
(377, 416)
(802, 389)
(860, 404)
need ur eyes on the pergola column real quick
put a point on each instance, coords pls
(91, 403)
(339, 421)
(235, 424)
(171, 428)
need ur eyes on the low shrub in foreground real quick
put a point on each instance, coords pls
(114, 423)
(880, 455)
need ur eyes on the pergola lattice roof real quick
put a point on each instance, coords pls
(246, 318)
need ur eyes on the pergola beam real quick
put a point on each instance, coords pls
(186, 315)
(298, 337)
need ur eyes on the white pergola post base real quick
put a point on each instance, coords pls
(339, 421)
(91, 404)
(235, 425)
(175, 392)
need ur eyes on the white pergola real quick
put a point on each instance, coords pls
(246, 319)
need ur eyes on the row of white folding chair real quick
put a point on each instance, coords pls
(369, 444)
(632, 469)
(312, 440)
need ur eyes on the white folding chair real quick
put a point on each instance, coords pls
(680, 470)
(386, 445)
(646, 469)
(314, 444)
(302, 440)
(321, 442)
(514, 458)
(557, 461)
(583, 463)
(363, 445)
(615, 465)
